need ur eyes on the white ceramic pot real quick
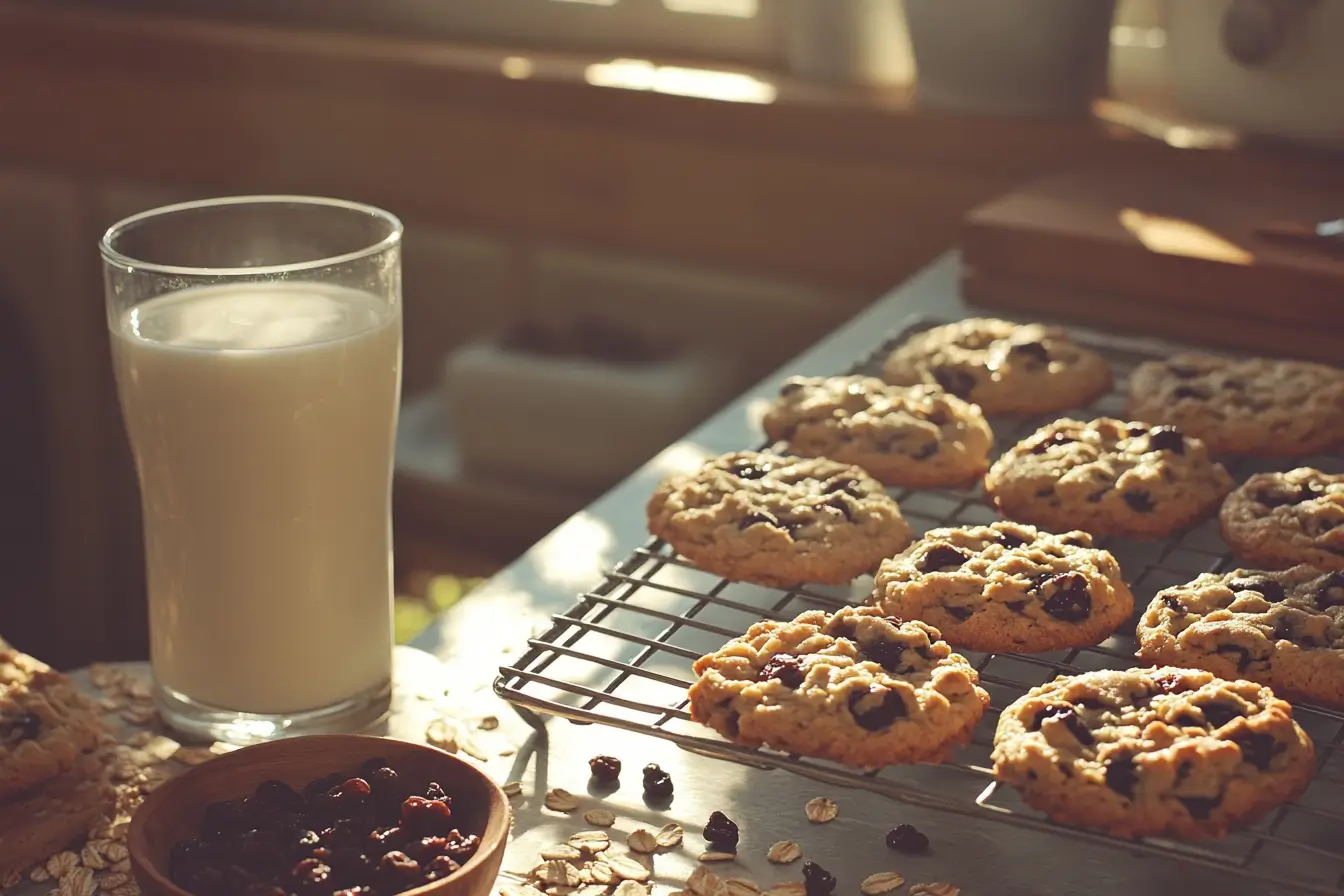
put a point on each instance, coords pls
(572, 422)
(1010, 57)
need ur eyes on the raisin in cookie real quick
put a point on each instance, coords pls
(1007, 587)
(758, 517)
(42, 822)
(1108, 477)
(1147, 752)
(1247, 406)
(856, 687)
(915, 436)
(1005, 368)
(1278, 520)
(45, 725)
(1284, 629)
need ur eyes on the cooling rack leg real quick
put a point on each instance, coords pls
(534, 721)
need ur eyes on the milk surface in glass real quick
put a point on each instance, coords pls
(263, 419)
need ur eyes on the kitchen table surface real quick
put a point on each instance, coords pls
(983, 857)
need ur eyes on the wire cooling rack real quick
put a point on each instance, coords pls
(621, 656)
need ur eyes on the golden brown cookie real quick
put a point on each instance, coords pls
(1283, 629)
(1150, 752)
(1007, 587)
(46, 726)
(903, 435)
(1108, 477)
(1004, 367)
(758, 517)
(855, 686)
(1277, 520)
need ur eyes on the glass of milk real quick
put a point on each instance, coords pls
(257, 348)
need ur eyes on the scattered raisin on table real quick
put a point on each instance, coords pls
(606, 769)
(658, 784)
(721, 831)
(906, 838)
(817, 881)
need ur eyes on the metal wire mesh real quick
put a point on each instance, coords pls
(621, 656)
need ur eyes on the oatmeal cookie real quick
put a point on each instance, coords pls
(1108, 477)
(915, 436)
(1007, 587)
(44, 821)
(1149, 752)
(1277, 520)
(1283, 629)
(855, 687)
(1246, 406)
(758, 517)
(46, 726)
(1004, 367)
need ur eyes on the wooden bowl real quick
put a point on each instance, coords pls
(173, 811)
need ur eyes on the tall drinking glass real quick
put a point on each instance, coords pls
(257, 347)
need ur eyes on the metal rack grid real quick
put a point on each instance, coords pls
(621, 656)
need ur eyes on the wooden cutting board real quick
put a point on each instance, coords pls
(1165, 257)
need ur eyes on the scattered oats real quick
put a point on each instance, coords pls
(473, 751)
(641, 840)
(114, 880)
(109, 704)
(561, 890)
(561, 800)
(821, 810)
(669, 835)
(789, 888)
(128, 889)
(116, 851)
(631, 888)
(784, 852)
(507, 751)
(489, 723)
(39, 875)
(601, 873)
(740, 886)
(140, 739)
(881, 882)
(62, 863)
(194, 755)
(934, 889)
(557, 872)
(512, 889)
(161, 748)
(717, 856)
(13, 879)
(139, 689)
(590, 841)
(122, 865)
(92, 858)
(626, 868)
(442, 733)
(140, 715)
(78, 882)
(600, 817)
(703, 882)
(591, 889)
(561, 851)
(219, 748)
(513, 788)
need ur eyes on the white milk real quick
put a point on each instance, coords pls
(262, 419)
